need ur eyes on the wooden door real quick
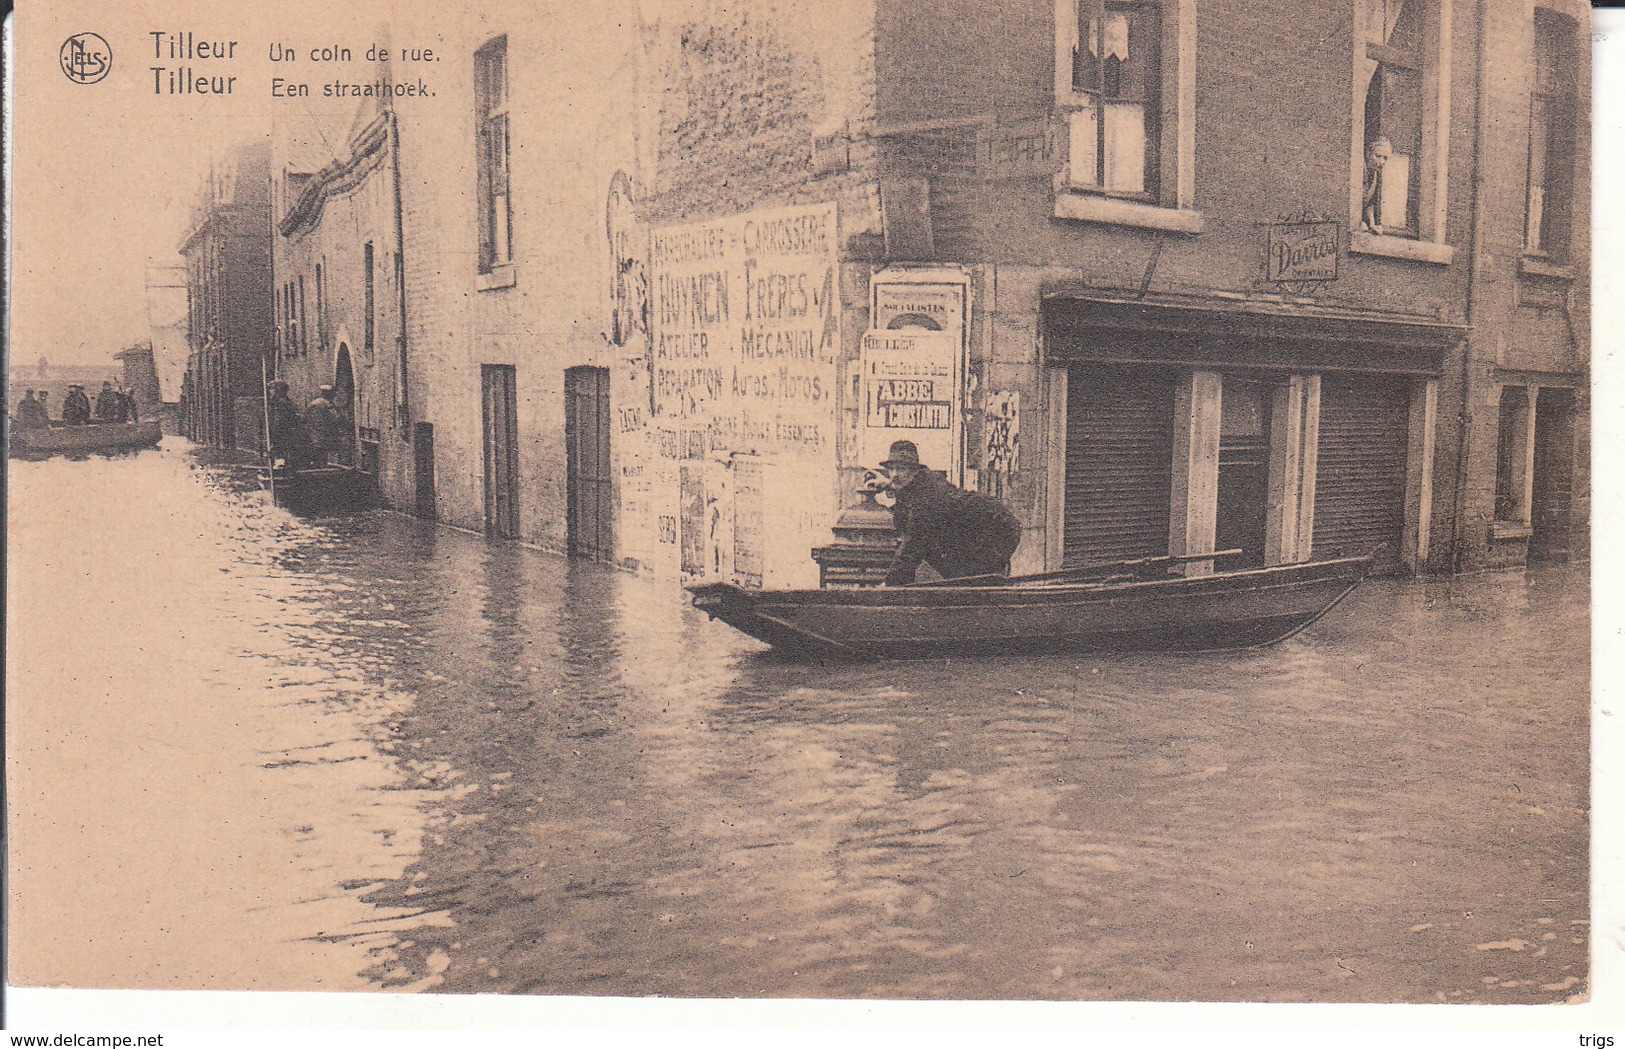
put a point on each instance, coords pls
(587, 465)
(500, 402)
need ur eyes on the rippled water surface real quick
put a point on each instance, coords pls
(252, 751)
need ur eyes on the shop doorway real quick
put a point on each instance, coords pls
(344, 405)
(423, 470)
(1244, 468)
(587, 465)
(500, 415)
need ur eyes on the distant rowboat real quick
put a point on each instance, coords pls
(1111, 607)
(95, 437)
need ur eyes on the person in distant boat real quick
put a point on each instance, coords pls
(323, 425)
(109, 405)
(289, 442)
(76, 406)
(30, 413)
(957, 533)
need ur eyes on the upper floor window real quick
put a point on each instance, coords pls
(1117, 80)
(291, 335)
(491, 121)
(1401, 116)
(1553, 116)
(1125, 88)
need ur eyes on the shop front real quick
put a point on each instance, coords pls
(1269, 434)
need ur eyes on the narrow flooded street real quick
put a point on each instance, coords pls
(250, 751)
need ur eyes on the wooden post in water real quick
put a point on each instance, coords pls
(265, 426)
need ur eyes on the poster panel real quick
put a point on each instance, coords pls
(911, 392)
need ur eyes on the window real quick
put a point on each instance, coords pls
(1116, 74)
(1553, 115)
(290, 321)
(1401, 116)
(369, 304)
(1125, 92)
(1391, 188)
(491, 119)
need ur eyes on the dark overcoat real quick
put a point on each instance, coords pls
(957, 533)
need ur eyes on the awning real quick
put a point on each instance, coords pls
(1086, 326)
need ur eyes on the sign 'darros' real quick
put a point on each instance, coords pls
(1304, 251)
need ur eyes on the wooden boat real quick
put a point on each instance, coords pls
(320, 489)
(1130, 605)
(94, 437)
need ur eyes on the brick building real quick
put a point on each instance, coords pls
(1166, 275)
(337, 275)
(228, 282)
(1524, 488)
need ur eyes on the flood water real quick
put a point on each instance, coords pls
(251, 751)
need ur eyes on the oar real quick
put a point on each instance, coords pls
(265, 400)
(1075, 572)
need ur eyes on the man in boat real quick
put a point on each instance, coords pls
(323, 425)
(109, 405)
(957, 533)
(30, 413)
(289, 442)
(44, 406)
(132, 414)
(76, 406)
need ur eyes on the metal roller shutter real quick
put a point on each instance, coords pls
(1360, 483)
(1119, 463)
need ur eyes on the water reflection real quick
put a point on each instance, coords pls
(534, 775)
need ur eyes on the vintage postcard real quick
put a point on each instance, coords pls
(863, 502)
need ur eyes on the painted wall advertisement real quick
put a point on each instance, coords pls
(744, 347)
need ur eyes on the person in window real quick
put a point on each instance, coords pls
(1376, 158)
(957, 533)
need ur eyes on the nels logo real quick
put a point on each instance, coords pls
(86, 58)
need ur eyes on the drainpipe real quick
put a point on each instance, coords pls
(1480, 109)
(403, 405)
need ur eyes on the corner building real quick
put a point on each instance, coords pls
(1166, 275)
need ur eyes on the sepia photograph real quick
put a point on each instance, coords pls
(556, 505)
